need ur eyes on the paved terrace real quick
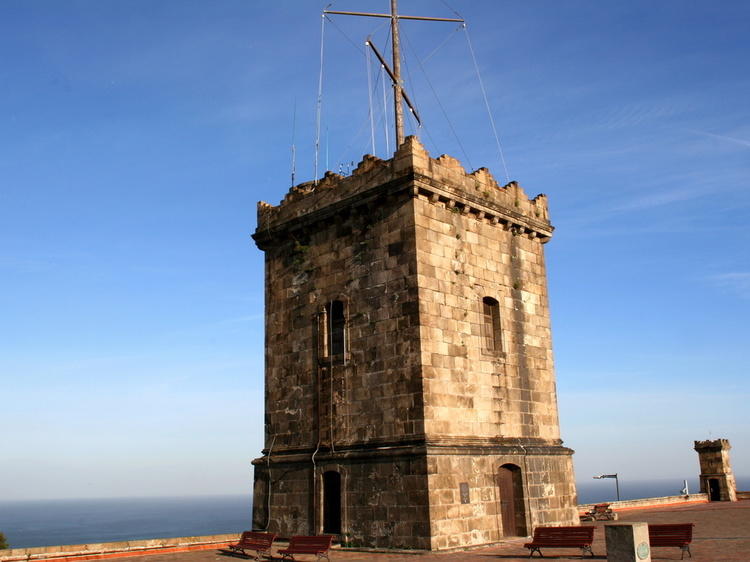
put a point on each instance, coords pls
(722, 533)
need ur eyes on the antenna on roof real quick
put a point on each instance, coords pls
(398, 91)
(294, 148)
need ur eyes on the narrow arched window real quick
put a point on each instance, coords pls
(493, 337)
(336, 327)
(332, 332)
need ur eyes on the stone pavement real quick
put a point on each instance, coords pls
(722, 533)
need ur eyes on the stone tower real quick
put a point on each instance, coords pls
(410, 392)
(716, 477)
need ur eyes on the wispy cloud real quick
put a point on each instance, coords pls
(225, 325)
(675, 194)
(634, 114)
(726, 138)
(736, 282)
(651, 195)
(661, 198)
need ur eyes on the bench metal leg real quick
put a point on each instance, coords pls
(684, 549)
(585, 549)
(533, 549)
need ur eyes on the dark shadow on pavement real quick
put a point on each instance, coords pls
(546, 557)
(233, 554)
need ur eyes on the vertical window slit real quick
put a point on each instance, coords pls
(332, 332)
(493, 337)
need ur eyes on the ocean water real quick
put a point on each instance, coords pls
(58, 522)
(594, 491)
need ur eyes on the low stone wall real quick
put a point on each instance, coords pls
(96, 551)
(743, 495)
(648, 502)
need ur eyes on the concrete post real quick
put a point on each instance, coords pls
(627, 542)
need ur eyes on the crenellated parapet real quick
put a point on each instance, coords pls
(442, 181)
(477, 192)
(712, 445)
(330, 191)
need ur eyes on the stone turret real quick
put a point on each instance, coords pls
(410, 389)
(716, 477)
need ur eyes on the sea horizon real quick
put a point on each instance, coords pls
(55, 522)
(605, 490)
(63, 521)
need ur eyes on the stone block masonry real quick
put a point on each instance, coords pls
(410, 390)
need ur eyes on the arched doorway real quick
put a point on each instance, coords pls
(714, 490)
(512, 504)
(332, 502)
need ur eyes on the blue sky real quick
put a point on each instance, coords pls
(138, 136)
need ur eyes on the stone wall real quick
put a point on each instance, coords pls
(118, 549)
(365, 259)
(470, 390)
(384, 499)
(477, 240)
(643, 503)
(387, 503)
(549, 496)
(321, 413)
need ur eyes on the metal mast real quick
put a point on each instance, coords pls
(396, 48)
(398, 92)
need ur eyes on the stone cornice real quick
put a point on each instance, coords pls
(421, 446)
(482, 210)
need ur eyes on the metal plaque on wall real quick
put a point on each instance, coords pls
(464, 489)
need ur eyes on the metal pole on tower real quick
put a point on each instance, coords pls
(398, 93)
(397, 96)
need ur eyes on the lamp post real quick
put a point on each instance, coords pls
(617, 481)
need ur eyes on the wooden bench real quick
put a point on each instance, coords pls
(562, 537)
(601, 512)
(251, 540)
(315, 546)
(673, 534)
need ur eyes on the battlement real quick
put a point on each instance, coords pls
(715, 445)
(443, 180)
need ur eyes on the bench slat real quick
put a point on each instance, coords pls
(567, 533)
(670, 534)
(562, 537)
(318, 545)
(253, 540)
